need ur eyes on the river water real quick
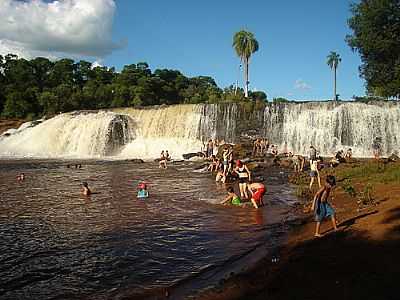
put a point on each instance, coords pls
(57, 244)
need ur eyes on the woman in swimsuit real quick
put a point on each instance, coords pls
(244, 177)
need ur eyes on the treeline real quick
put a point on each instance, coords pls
(32, 88)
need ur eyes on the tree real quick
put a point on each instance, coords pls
(376, 37)
(245, 45)
(333, 61)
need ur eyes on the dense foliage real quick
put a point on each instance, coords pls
(376, 36)
(30, 88)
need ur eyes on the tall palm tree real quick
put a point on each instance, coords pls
(333, 61)
(245, 45)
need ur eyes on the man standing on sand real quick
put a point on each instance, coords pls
(257, 191)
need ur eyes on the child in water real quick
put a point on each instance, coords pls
(322, 209)
(142, 190)
(85, 189)
(232, 197)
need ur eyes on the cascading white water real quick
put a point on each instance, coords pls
(82, 135)
(332, 127)
(143, 133)
(173, 128)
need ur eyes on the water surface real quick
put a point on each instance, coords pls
(57, 244)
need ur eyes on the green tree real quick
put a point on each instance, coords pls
(245, 45)
(333, 62)
(41, 68)
(258, 95)
(376, 37)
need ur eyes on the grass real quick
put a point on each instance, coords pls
(372, 172)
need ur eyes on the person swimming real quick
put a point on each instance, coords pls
(142, 190)
(85, 189)
(21, 177)
(232, 197)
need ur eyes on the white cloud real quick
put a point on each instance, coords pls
(66, 27)
(300, 84)
(97, 64)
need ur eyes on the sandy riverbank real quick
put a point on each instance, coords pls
(360, 261)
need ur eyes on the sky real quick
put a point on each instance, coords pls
(195, 37)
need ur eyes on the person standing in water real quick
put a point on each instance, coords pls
(322, 209)
(85, 189)
(257, 190)
(244, 178)
(163, 161)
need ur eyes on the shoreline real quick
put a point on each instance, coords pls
(359, 261)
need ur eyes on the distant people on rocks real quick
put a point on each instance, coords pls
(298, 163)
(162, 164)
(274, 150)
(256, 147)
(314, 172)
(312, 154)
(377, 147)
(244, 178)
(394, 157)
(321, 207)
(210, 148)
(214, 164)
(349, 154)
(226, 154)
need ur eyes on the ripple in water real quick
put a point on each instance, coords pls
(56, 244)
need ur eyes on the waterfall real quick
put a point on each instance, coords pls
(143, 133)
(83, 134)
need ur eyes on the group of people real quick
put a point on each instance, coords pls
(164, 157)
(227, 169)
(210, 148)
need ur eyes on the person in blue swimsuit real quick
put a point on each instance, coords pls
(321, 207)
(142, 191)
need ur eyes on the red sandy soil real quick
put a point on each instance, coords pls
(6, 124)
(360, 261)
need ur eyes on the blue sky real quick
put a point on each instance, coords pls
(195, 37)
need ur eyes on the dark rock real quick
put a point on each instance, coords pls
(190, 155)
(137, 161)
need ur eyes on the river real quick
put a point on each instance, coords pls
(58, 244)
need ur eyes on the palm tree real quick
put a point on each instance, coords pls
(333, 61)
(245, 45)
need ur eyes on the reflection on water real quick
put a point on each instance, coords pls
(57, 244)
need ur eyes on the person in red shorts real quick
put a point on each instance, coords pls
(257, 190)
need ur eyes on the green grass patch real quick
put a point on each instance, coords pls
(373, 172)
